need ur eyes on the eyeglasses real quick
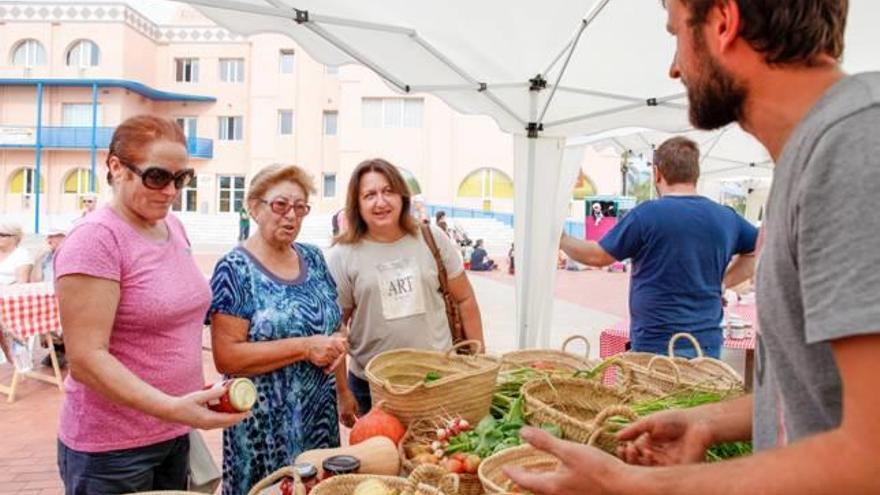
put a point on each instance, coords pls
(158, 178)
(283, 207)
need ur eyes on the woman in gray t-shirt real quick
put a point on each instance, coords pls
(387, 278)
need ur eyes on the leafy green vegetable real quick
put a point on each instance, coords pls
(432, 376)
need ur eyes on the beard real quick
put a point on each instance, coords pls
(715, 98)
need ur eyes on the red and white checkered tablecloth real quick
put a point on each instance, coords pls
(613, 340)
(29, 309)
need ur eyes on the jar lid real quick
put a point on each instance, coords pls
(306, 470)
(341, 464)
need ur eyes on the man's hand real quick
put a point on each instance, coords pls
(583, 470)
(664, 439)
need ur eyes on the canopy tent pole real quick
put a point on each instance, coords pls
(650, 102)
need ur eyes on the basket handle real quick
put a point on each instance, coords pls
(574, 338)
(436, 476)
(600, 422)
(669, 362)
(400, 390)
(465, 343)
(724, 368)
(284, 472)
(684, 335)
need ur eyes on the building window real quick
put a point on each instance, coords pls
(330, 120)
(331, 70)
(186, 69)
(79, 115)
(391, 113)
(230, 128)
(287, 60)
(188, 199)
(77, 182)
(232, 70)
(189, 125)
(83, 53)
(23, 182)
(231, 193)
(285, 122)
(329, 185)
(29, 53)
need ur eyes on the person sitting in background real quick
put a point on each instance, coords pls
(480, 261)
(89, 203)
(15, 261)
(15, 267)
(44, 271)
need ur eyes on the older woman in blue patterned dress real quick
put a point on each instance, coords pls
(274, 318)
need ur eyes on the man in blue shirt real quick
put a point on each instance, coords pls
(681, 247)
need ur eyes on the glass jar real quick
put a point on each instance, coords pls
(308, 474)
(340, 464)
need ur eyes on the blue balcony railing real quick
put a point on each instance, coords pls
(81, 138)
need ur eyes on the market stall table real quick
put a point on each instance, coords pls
(614, 340)
(28, 311)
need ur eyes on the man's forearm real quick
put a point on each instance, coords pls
(586, 252)
(741, 269)
(832, 462)
(729, 421)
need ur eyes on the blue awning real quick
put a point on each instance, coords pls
(139, 88)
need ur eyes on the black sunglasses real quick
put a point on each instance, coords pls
(158, 178)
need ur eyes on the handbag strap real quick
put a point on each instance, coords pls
(441, 268)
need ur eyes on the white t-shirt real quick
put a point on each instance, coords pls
(395, 293)
(9, 266)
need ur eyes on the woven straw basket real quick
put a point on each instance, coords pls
(563, 360)
(493, 478)
(580, 407)
(671, 373)
(425, 480)
(465, 388)
(284, 472)
(469, 484)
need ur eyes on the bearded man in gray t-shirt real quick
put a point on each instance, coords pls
(773, 67)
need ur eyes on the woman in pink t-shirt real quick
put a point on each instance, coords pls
(132, 303)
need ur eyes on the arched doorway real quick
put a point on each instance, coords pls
(411, 181)
(488, 189)
(22, 189)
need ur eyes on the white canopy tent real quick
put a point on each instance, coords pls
(543, 72)
(727, 155)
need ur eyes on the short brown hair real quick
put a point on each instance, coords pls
(784, 31)
(271, 175)
(678, 160)
(135, 134)
(356, 227)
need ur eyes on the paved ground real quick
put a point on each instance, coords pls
(586, 302)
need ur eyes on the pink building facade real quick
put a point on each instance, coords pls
(71, 72)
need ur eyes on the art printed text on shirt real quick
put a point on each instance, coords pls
(400, 284)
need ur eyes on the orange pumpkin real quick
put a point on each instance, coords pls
(376, 423)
